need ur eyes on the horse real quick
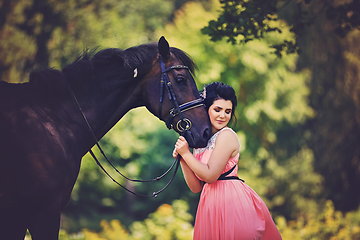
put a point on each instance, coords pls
(44, 136)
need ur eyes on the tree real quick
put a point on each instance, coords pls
(272, 107)
(246, 20)
(45, 33)
(326, 32)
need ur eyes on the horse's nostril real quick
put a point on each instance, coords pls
(206, 134)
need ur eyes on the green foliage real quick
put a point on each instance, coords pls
(247, 20)
(104, 24)
(140, 147)
(244, 21)
(166, 223)
(173, 222)
(328, 225)
(16, 46)
(52, 33)
(291, 188)
(273, 112)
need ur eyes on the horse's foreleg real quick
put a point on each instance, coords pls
(45, 225)
(12, 225)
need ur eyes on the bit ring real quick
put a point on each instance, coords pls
(187, 127)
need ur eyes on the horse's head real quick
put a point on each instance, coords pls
(173, 97)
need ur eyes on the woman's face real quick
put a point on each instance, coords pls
(220, 114)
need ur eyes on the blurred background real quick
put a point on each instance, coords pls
(295, 66)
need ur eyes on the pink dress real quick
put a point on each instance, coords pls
(230, 209)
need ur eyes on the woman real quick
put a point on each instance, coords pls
(228, 208)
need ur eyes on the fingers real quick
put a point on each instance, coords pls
(182, 138)
(181, 146)
(175, 153)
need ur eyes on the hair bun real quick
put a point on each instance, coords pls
(210, 90)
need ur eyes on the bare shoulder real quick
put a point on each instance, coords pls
(228, 133)
(227, 138)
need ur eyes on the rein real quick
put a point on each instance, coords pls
(176, 110)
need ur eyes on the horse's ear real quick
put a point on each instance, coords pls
(164, 48)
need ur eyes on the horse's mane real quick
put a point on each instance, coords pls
(133, 57)
(111, 62)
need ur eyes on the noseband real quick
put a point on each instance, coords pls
(183, 124)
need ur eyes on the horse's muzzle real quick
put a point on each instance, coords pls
(197, 140)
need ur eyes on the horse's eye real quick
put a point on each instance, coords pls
(181, 79)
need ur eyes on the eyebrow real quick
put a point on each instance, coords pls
(222, 108)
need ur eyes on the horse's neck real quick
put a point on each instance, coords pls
(103, 109)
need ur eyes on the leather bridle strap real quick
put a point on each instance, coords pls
(166, 82)
(184, 107)
(177, 109)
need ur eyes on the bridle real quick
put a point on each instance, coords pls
(176, 110)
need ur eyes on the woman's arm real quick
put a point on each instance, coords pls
(226, 146)
(191, 180)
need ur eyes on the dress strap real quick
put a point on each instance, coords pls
(225, 176)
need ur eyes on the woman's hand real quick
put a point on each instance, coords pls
(175, 153)
(181, 146)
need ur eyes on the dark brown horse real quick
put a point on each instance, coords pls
(43, 135)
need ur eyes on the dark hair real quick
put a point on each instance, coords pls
(218, 90)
